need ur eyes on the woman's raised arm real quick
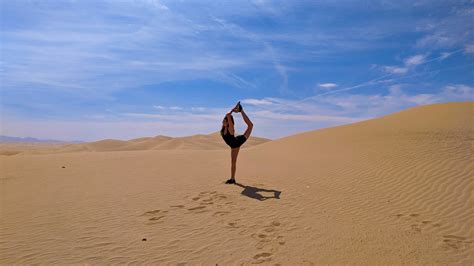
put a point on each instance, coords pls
(231, 123)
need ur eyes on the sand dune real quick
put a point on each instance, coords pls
(13, 148)
(211, 141)
(392, 190)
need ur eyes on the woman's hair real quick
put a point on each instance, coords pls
(223, 127)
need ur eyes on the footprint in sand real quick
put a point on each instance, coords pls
(154, 216)
(196, 208)
(452, 242)
(203, 199)
(148, 213)
(418, 226)
(281, 240)
(210, 198)
(220, 213)
(262, 257)
(233, 225)
(156, 219)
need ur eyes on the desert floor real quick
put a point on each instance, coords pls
(392, 190)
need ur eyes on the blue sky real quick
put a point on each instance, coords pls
(88, 70)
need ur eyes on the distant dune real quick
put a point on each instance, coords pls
(395, 190)
(211, 141)
(195, 142)
(14, 145)
(5, 139)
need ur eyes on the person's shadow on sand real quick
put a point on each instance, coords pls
(252, 192)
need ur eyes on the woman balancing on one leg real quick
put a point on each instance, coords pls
(227, 133)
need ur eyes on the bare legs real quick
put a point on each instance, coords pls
(234, 153)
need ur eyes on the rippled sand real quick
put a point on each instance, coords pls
(392, 190)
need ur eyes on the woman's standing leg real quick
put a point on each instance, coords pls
(234, 152)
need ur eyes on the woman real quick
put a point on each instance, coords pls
(227, 133)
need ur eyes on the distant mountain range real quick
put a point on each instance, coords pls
(28, 139)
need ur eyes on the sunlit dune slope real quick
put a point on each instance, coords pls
(426, 122)
(415, 166)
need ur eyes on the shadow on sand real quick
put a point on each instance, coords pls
(252, 192)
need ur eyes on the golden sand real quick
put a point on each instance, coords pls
(392, 190)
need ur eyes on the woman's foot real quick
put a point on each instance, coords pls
(230, 181)
(237, 107)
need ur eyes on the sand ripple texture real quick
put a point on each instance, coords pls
(395, 190)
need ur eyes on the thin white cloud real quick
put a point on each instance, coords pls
(240, 32)
(178, 108)
(444, 55)
(384, 79)
(200, 109)
(159, 107)
(327, 85)
(236, 80)
(177, 117)
(257, 102)
(303, 117)
(415, 60)
(450, 31)
(409, 63)
(395, 69)
(157, 4)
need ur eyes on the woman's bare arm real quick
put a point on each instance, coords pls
(231, 124)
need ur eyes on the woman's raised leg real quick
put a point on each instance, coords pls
(249, 124)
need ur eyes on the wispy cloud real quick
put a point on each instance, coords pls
(59, 50)
(257, 101)
(156, 4)
(327, 85)
(409, 63)
(395, 69)
(388, 78)
(449, 31)
(445, 55)
(415, 60)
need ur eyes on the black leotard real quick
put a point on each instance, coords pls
(232, 141)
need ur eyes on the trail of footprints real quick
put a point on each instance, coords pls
(267, 237)
(449, 242)
(199, 204)
(268, 241)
